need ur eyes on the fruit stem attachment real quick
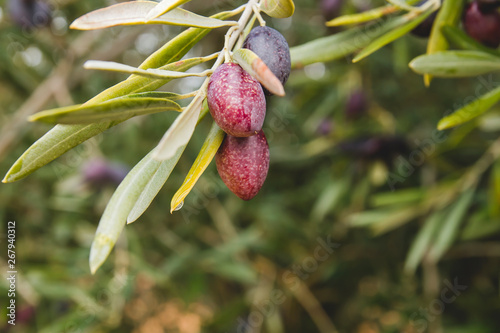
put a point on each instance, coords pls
(256, 10)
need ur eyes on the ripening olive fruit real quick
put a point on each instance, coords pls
(482, 23)
(273, 49)
(243, 164)
(236, 100)
(30, 14)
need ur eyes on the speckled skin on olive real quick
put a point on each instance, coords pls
(243, 164)
(482, 24)
(236, 101)
(273, 49)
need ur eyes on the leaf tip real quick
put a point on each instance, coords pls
(99, 251)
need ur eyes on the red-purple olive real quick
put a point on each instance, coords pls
(482, 23)
(243, 164)
(236, 101)
(357, 104)
(273, 49)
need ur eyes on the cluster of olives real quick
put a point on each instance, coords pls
(481, 21)
(238, 105)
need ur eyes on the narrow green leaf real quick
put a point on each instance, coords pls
(155, 94)
(62, 138)
(136, 12)
(363, 17)
(121, 203)
(205, 156)
(456, 63)
(115, 109)
(154, 186)
(259, 70)
(471, 111)
(407, 26)
(449, 230)
(152, 72)
(182, 129)
(278, 8)
(339, 45)
(461, 40)
(449, 14)
(164, 7)
(423, 241)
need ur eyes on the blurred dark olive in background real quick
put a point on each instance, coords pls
(100, 172)
(357, 104)
(30, 14)
(382, 148)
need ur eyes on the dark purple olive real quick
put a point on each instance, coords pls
(424, 29)
(357, 105)
(325, 127)
(100, 172)
(330, 9)
(30, 14)
(482, 24)
(243, 164)
(236, 101)
(273, 49)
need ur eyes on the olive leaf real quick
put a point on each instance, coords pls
(62, 138)
(181, 130)
(423, 241)
(152, 72)
(407, 26)
(456, 63)
(449, 227)
(471, 110)
(462, 40)
(341, 44)
(252, 64)
(449, 14)
(163, 7)
(136, 12)
(119, 207)
(205, 156)
(367, 16)
(278, 8)
(115, 109)
(150, 191)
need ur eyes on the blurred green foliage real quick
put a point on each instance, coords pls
(405, 223)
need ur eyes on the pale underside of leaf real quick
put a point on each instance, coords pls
(164, 7)
(154, 186)
(278, 8)
(205, 156)
(115, 109)
(152, 72)
(135, 12)
(456, 63)
(121, 203)
(181, 130)
(252, 64)
(471, 111)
